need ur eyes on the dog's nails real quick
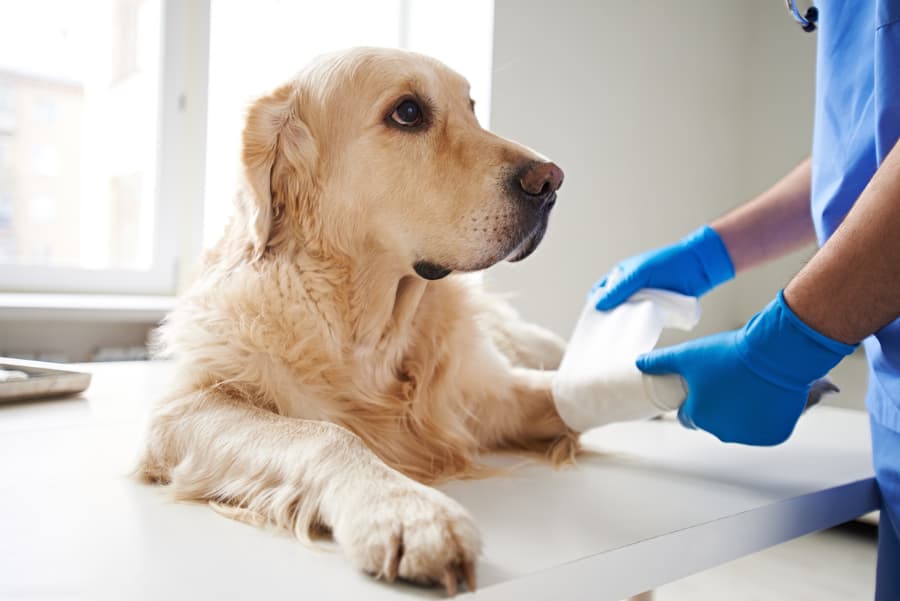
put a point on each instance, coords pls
(819, 389)
(468, 568)
(449, 581)
(392, 559)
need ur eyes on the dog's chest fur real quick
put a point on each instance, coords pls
(304, 345)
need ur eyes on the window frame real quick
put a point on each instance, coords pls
(180, 172)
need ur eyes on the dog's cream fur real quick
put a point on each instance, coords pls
(321, 382)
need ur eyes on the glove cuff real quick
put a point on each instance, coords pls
(712, 255)
(780, 347)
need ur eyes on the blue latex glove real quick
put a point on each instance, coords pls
(750, 385)
(693, 266)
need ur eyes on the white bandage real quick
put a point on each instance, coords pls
(598, 383)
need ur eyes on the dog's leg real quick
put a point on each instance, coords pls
(540, 428)
(524, 344)
(530, 345)
(300, 475)
(517, 411)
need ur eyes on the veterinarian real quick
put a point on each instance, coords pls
(750, 385)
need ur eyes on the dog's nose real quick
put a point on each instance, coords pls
(540, 180)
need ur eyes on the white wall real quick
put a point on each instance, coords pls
(663, 116)
(779, 98)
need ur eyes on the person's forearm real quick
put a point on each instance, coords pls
(851, 287)
(771, 225)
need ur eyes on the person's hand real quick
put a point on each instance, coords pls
(750, 385)
(693, 266)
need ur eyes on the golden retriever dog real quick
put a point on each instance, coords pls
(331, 360)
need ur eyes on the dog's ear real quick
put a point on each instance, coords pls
(278, 156)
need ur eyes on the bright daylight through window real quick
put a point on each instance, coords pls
(78, 133)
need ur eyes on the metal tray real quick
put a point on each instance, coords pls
(44, 380)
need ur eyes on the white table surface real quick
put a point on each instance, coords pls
(652, 503)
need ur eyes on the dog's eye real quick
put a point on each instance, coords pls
(408, 113)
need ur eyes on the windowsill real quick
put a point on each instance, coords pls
(84, 307)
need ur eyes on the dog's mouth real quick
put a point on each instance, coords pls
(526, 246)
(530, 242)
(431, 271)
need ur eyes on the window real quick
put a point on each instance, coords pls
(44, 160)
(5, 153)
(79, 139)
(6, 98)
(7, 108)
(125, 41)
(6, 216)
(45, 111)
(126, 246)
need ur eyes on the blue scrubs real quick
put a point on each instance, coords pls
(857, 124)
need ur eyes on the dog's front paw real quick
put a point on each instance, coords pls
(414, 532)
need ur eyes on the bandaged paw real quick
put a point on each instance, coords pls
(598, 383)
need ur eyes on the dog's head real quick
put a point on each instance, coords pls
(381, 148)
